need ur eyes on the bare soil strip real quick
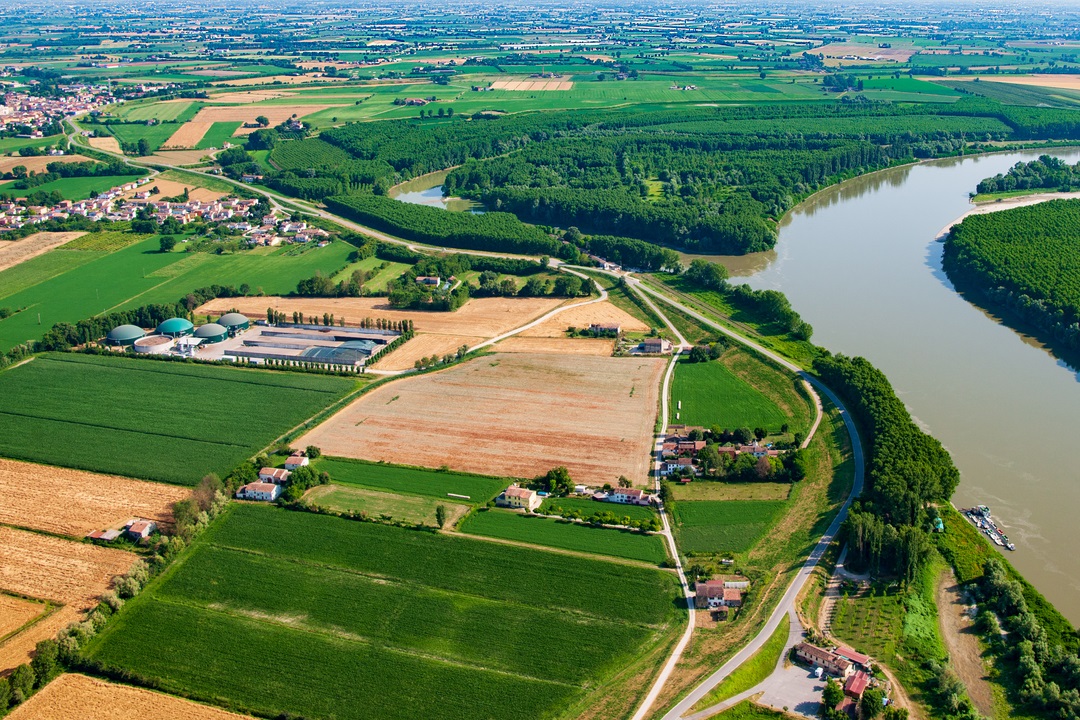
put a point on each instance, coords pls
(958, 631)
(512, 414)
(78, 697)
(73, 502)
(13, 252)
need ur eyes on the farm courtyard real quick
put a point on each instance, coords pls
(514, 414)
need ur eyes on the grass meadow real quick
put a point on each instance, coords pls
(588, 506)
(218, 134)
(711, 394)
(171, 422)
(66, 285)
(375, 503)
(412, 481)
(719, 526)
(77, 188)
(156, 135)
(565, 535)
(430, 625)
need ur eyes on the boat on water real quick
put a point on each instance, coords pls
(980, 516)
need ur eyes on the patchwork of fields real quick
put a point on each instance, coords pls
(171, 422)
(67, 285)
(463, 629)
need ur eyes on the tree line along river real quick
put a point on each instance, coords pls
(861, 262)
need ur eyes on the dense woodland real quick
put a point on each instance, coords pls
(703, 179)
(907, 470)
(1047, 173)
(1025, 261)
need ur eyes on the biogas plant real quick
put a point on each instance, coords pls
(234, 337)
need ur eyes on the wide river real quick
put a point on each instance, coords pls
(861, 263)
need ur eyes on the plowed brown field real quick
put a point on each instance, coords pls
(559, 346)
(72, 502)
(601, 313)
(78, 697)
(511, 414)
(16, 612)
(479, 317)
(13, 252)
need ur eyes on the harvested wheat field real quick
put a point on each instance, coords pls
(561, 346)
(13, 252)
(276, 114)
(510, 414)
(250, 96)
(55, 569)
(187, 135)
(19, 648)
(422, 346)
(283, 79)
(73, 502)
(600, 313)
(38, 163)
(171, 188)
(479, 317)
(1061, 82)
(16, 612)
(78, 697)
(108, 144)
(180, 157)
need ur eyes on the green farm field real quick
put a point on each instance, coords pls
(374, 503)
(566, 536)
(178, 112)
(156, 135)
(412, 481)
(13, 145)
(218, 133)
(588, 506)
(76, 188)
(70, 285)
(723, 525)
(464, 628)
(711, 394)
(171, 422)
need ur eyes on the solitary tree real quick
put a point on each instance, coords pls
(440, 515)
(263, 121)
(624, 482)
(166, 243)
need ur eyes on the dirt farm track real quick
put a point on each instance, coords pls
(592, 414)
(78, 697)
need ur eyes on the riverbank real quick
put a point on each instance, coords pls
(991, 206)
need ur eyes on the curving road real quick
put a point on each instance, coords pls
(786, 606)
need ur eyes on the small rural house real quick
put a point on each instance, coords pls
(629, 496)
(828, 661)
(856, 658)
(856, 684)
(296, 461)
(720, 592)
(267, 492)
(278, 476)
(139, 529)
(655, 346)
(104, 535)
(427, 280)
(519, 497)
(677, 466)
